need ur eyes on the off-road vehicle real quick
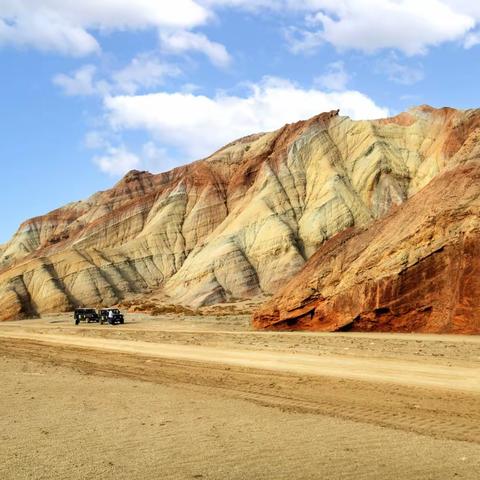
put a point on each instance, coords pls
(103, 315)
(85, 314)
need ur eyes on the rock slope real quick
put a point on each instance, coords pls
(237, 224)
(418, 269)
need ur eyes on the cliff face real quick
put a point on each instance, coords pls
(239, 223)
(418, 269)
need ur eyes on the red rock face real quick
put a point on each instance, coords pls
(417, 270)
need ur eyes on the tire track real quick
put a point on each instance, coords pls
(437, 413)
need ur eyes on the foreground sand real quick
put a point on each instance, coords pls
(180, 398)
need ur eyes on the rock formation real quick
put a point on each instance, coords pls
(417, 269)
(235, 225)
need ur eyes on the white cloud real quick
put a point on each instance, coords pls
(197, 125)
(96, 139)
(144, 72)
(79, 83)
(66, 26)
(472, 39)
(117, 160)
(469, 7)
(184, 41)
(411, 26)
(70, 27)
(303, 41)
(399, 72)
(44, 30)
(335, 77)
(255, 5)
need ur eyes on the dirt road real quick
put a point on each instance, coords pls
(466, 379)
(240, 404)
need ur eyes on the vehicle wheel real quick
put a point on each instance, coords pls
(77, 321)
(122, 321)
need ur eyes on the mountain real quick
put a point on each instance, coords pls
(238, 224)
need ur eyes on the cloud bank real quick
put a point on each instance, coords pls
(411, 26)
(197, 125)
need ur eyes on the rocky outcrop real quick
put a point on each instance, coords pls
(235, 225)
(417, 269)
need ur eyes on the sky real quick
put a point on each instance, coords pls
(90, 90)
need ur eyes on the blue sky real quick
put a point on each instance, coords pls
(90, 90)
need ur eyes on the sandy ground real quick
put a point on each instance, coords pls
(207, 397)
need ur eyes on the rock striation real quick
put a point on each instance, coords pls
(417, 269)
(237, 224)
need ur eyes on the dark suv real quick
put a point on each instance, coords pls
(117, 316)
(85, 314)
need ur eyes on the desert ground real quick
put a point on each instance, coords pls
(206, 397)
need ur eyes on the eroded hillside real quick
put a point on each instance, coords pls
(417, 269)
(237, 224)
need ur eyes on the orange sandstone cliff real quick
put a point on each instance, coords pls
(417, 269)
